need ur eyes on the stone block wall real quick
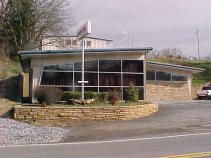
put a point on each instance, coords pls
(42, 114)
(161, 90)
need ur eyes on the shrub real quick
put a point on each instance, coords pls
(103, 96)
(131, 93)
(91, 95)
(67, 96)
(71, 95)
(48, 95)
(113, 97)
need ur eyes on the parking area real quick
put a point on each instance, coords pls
(173, 118)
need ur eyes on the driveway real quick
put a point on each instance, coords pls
(172, 118)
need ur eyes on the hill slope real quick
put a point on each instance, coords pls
(9, 81)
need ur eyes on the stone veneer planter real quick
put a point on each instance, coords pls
(94, 113)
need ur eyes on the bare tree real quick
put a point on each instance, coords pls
(25, 21)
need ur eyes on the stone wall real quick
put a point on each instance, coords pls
(161, 90)
(40, 114)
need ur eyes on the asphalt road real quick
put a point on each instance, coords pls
(178, 128)
(133, 148)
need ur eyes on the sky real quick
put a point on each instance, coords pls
(148, 23)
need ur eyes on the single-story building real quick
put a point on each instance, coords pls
(105, 70)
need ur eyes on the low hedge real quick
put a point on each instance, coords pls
(102, 96)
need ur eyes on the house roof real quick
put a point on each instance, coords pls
(181, 67)
(74, 51)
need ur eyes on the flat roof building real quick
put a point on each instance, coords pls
(105, 70)
(71, 42)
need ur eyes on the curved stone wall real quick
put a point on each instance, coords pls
(94, 113)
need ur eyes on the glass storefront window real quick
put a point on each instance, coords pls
(64, 67)
(91, 65)
(135, 79)
(163, 76)
(77, 77)
(110, 65)
(179, 78)
(57, 78)
(110, 79)
(77, 66)
(92, 79)
(151, 75)
(132, 66)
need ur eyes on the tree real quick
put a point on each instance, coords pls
(24, 22)
(3, 52)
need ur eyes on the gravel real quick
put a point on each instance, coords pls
(16, 133)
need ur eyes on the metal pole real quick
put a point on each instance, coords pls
(197, 34)
(82, 71)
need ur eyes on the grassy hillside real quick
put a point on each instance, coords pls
(9, 81)
(199, 78)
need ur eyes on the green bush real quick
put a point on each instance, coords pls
(131, 93)
(91, 95)
(48, 95)
(71, 95)
(103, 96)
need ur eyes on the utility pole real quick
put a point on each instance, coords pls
(198, 44)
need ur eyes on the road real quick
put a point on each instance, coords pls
(196, 144)
(178, 128)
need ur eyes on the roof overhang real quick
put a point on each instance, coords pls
(25, 56)
(174, 66)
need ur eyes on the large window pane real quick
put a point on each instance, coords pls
(57, 78)
(91, 65)
(110, 79)
(70, 66)
(77, 66)
(163, 76)
(77, 77)
(62, 67)
(92, 79)
(91, 89)
(179, 78)
(132, 66)
(110, 66)
(135, 79)
(151, 75)
(86, 89)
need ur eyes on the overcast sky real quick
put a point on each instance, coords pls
(149, 23)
